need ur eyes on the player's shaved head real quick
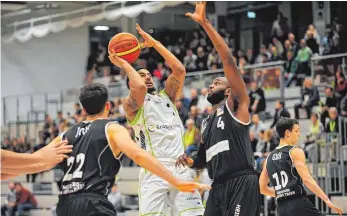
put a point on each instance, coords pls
(223, 80)
(218, 90)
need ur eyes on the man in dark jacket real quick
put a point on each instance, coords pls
(257, 99)
(331, 101)
(280, 111)
(309, 98)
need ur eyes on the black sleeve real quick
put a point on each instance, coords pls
(199, 158)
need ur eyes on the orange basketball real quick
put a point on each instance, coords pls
(126, 46)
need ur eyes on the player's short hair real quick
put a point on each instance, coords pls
(93, 98)
(284, 124)
(282, 103)
(137, 69)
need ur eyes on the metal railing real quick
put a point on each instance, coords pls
(321, 67)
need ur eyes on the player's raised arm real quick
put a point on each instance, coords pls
(14, 164)
(175, 81)
(120, 141)
(299, 161)
(138, 89)
(230, 69)
(264, 183)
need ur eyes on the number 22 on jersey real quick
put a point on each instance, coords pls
(220, 123)
(75, 173)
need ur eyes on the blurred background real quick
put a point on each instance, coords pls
(292, 56)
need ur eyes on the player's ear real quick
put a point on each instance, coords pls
(107, 106)
(227, 92)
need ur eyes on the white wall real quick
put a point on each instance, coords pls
(48, 64)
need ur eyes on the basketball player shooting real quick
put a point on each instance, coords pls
(90, 170)
(286, 170)
(15, 164)
(226, 148)
(159, 130)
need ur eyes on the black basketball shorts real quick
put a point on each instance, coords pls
(238, 196)
(299, 206)
(85, 204)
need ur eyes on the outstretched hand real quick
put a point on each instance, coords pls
(55, 153)
(149, 40)
(199, 15)
(190, 186)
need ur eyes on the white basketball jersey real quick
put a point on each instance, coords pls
(158, 127)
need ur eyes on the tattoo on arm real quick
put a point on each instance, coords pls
(173, 85)
(131, 103)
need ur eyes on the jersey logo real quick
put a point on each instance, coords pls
(220, 111)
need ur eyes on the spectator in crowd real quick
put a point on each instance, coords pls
(182, 111)
(315, 136)
(315, 35)
(201, 61)
(263, 55)
(280, 111)
(249, 56)
(295, 45)
(196, 116)
(60, 118)
(278, 45)
(23, 144)
(189, 134)
(333, 123)
(189, 61)
(312, 42)
(340, 87)
(303, 57)
(330, 101)
(344, 106)
(25, 199)
(280, 26)
(257, 126)
(202, 101)
(287, 48)
(212, 59)
(6, 144)
(193, 98)
(77, 108)
(275, 56)
(290, 69)
(309, 98)
(115, 197)
(327, 42)
(159, 72)
(257, 99)
(11, 201)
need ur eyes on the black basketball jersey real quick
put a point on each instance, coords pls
(227, 143)
(282, 174)
(91, 167)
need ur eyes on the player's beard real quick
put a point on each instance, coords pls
(216, 97)
(151, 90)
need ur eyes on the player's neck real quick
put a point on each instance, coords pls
(284, 142)
(94, 117)
(215, 107)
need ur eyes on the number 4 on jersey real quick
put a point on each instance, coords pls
(220, 123)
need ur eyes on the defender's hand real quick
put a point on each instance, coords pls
(54, 153)
(184, 160)
(119, 62)
(149, 40)
(186, 186)
(199, 15)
